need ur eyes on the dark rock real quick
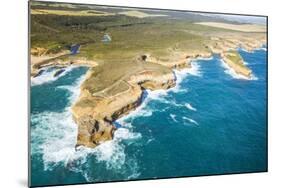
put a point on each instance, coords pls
(58, 72)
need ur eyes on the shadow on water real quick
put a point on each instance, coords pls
(143, 97)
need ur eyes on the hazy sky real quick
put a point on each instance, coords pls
(243, 19)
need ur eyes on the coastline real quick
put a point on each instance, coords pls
(96, 123)
(113, 154)
(238, 65)
(39, 63)
(102, 127)
(110, 150)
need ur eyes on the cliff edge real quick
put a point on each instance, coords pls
(106, 97)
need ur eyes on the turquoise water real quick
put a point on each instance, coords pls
(212, 122)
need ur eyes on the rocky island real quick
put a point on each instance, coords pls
(235, 61)
(142, 54)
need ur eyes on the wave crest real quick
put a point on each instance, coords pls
(190, 107)
(54, 134)
(191, 120)
(48, 75)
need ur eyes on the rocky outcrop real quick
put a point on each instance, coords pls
(38, 51)
(177, 60)
(113, 90)
(228, 43)
(39, 62)
(95, 115)
(227, 47)
(235, 62)
(95, 112)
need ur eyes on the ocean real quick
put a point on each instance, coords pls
(212, 122)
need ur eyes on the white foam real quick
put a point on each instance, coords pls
(190, 107)
(174, 103)
(48, 76)
(205, 58)
(150, 140)
(173, 116)
(245, 50)
(54, 134)
(252, 51)
(190, 120)
(233, 74)
(263, 49)
(156, 95)
(113, 152)
(73, 89)
(140, 111)
(182, 74)
(194, 70)
(144, 111)
(55, 137)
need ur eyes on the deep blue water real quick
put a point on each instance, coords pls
(211, 123)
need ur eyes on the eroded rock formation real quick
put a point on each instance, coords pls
(95, 112)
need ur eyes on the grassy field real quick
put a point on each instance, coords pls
(101, 78)
(236, 27)
(140, 14)
(235, 57)
(135, 31)
(70, 12)
(55, 27)
(127, 51)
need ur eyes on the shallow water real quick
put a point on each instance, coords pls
(212, 122)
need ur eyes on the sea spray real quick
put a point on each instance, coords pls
(140, 141)
(182, 74)
(54, 134)
(159, 95)
(190, 107)
(48, 75)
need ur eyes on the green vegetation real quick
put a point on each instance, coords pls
(131, 34)
(57, 26)
(235, 57)
(109, 77)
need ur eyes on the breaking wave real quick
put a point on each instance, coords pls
(233, 74)
(48, 75)
(263, 49)
(54, 134)
(205, 58)
(188, 105)
(182, 74)
(144, 111)
(173, 117)
(191, 120)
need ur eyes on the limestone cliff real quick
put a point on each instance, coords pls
(95, 112)
(235, 61)
(113, 89)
